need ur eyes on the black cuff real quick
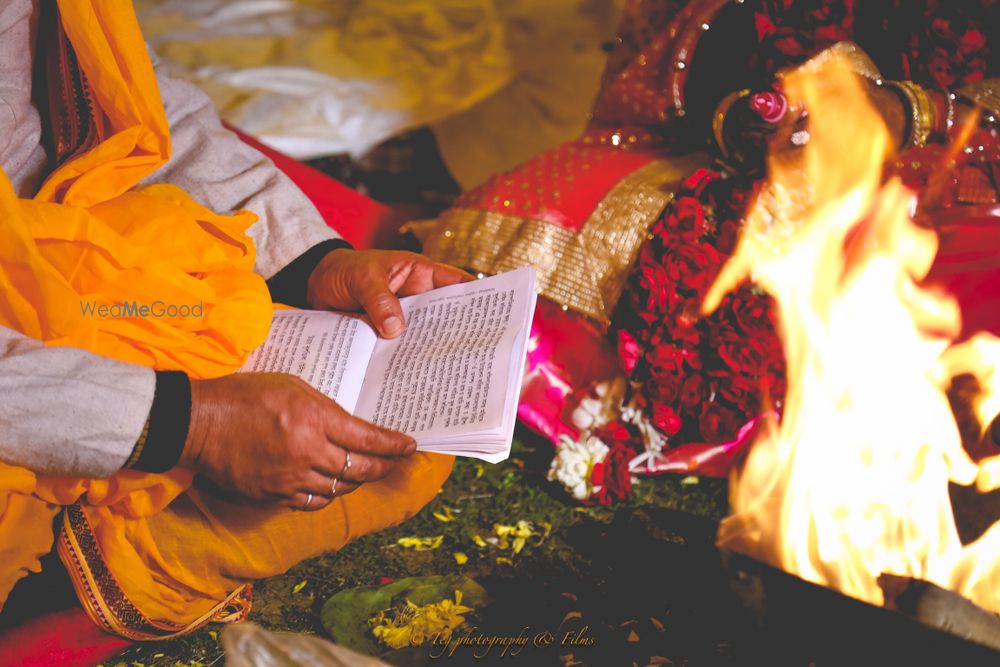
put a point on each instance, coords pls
(288, 286)
(169, 419)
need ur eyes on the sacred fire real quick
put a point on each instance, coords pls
(853, 481)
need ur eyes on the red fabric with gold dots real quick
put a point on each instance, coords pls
(562, 186)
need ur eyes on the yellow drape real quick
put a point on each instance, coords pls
(90, 236)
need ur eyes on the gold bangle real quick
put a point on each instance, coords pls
(921, 111)
(139, 445)
(719, 118)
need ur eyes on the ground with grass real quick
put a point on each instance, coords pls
(602, 568)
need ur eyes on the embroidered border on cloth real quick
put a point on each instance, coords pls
(985, 93)
(106, 603)
(583, 271)
(72, 112)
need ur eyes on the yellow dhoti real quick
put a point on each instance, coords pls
(190, 563)
(149, 555)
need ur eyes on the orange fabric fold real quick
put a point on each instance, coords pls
(92, 238)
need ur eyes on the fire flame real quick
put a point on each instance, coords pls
(853, 482)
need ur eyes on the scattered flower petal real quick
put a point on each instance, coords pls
(415, 625)
(420, 543)
(570, 615)
(447, 514)
(514, 536)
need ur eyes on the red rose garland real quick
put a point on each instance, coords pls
(697, 379)
(690, 379)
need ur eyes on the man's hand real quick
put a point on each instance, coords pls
(371, 280)
(272, 437)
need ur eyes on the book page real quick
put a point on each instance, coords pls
(328, 350)
(448, 373)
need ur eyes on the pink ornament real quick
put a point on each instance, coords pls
(771, 107)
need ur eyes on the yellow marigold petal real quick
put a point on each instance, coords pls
(460, 558)
(447, 514)
(420, 543)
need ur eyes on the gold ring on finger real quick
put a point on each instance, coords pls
(309, 499)
(333, 489)
(347, 462)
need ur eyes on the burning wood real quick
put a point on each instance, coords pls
(799, 622)
(941, 609)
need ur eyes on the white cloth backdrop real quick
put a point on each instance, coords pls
(498, 80)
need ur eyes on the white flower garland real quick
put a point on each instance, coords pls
(574, 464)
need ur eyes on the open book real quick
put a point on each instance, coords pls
(451, 381)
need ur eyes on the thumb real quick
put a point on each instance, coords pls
(378, 301)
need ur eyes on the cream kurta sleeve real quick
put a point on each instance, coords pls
(224, 174)
(67, 411)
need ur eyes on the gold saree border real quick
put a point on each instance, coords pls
(848, 53)
(106, 603)
(985, 93)
(583, 271)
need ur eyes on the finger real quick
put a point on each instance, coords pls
(298, 501)
(366, 468)
(362, 437)
(316, 490)
(421, 275)
(336, 462)
(318, 484)
(331, 459)
(445, 274)
(304, 503)
(373, 294)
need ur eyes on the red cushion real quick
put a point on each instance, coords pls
(363, 222)
(60, 639)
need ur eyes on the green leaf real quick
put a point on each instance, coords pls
(518, 446)
(345, 615)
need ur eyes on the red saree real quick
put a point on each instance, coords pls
(690, 385)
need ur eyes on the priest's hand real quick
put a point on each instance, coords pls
(372, 281)
(271, 437)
